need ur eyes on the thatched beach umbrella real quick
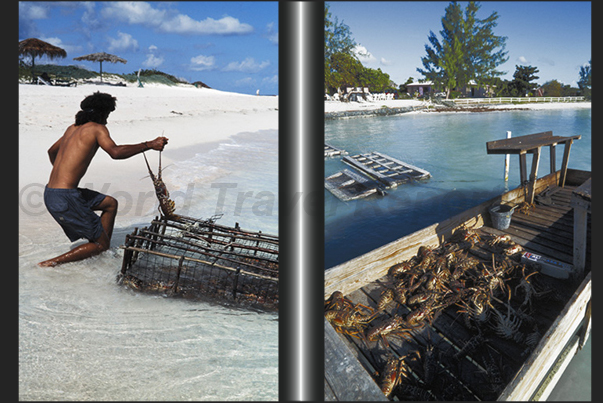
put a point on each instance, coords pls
(101, 57)
(34, 47)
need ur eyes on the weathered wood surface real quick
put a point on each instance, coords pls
(526, 144)
(527, 380)
(546, 229)
(347, 185)
(331, 151)
(390, 171)
(581, 201)
(345, 378)
(532, 143)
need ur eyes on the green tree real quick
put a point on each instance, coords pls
(585, 80)
(338, 40)
(522, 80)
(469, 50)
(444, 60)
(552, 88)
(345, 70)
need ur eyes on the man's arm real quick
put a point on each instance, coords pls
(118, 152)
(54, 150)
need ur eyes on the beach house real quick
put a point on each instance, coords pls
(472, 90)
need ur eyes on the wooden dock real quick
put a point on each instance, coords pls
(347, 185)
(331, 151)
(385, 169)
(458, 361)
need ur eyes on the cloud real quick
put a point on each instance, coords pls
(271, 33)
(244, 82)
(123, 42)
(270, 80)
(171, 22)
(28, 14)
(202, 63)
(58, 42)
(384, 62)
(32, 11)
(248, 65)
(153, 60)
(183, 24)
(547, 61)
(138, 12)
(363, 54)
(523, 60)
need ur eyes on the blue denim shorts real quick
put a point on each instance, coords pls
(72, 209)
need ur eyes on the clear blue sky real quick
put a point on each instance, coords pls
(230, 46)
(553, 36)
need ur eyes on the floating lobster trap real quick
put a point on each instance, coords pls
(197, 258)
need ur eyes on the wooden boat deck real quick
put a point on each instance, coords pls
(459, 367)
(389, 171)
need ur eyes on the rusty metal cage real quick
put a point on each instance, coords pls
(200, 259)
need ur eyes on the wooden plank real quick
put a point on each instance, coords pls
(544, 356)
(527, 143)
(556, 372)
(348, 185)
(345, 376)
(534, 174)
(566, 153)
(376, 166)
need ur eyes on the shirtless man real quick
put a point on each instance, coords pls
(72, 207)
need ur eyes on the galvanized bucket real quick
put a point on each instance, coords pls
(501, 216)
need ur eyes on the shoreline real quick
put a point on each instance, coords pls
(195, 121)
(343, 110)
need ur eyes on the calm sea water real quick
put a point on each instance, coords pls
(452, 147)
(83, 337)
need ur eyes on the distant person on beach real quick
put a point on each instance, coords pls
(72, 207)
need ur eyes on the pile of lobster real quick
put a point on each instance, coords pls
(481, 279)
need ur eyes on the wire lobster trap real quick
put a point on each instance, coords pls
(197, 258)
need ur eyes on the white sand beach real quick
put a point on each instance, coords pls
(193, 119)
(337, 106)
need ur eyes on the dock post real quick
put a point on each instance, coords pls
(507, 160)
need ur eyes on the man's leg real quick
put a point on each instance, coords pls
(109, 210)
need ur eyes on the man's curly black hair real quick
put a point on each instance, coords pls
(95, 108)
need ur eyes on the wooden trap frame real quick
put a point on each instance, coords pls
(197, 258)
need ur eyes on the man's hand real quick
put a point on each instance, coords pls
(157, 144)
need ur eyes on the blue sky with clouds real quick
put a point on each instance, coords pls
(553, 36)
(230, 46)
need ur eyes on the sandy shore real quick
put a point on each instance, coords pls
(336, 106)
(193, 119)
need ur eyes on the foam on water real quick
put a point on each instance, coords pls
(83, 337)
(239, 179)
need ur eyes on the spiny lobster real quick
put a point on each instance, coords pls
(167, 207)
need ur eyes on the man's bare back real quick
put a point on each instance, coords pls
(71, 154)
(70, 157)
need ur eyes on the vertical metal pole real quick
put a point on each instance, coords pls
(507, 160)
(301, 195)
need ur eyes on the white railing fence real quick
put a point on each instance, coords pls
(502, 100)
